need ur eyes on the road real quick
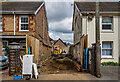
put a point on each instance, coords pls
(107, 72)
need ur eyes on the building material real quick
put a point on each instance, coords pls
(14, 61)
(35, 70)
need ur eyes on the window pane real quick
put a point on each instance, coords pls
(0, 26)
(24, 27)
(106, 45)
(4, 44)
(107, 27)
(24, 19)
(107, 52)
(0, 18)
(107, 20)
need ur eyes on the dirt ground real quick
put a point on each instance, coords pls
(52, 70)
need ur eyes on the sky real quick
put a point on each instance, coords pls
(60, 19)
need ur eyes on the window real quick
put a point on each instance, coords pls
(0, 23)
(24, 23)
(22, 44)
(107, 49)
(4, 43)
(107, 23)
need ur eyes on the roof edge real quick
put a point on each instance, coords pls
(39, 8)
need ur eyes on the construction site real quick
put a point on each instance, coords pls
(56, 62)
(28, 52)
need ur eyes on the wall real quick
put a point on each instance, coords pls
(39, 25)
(38, 48)
(104, 36)
(8, 25)
(0, 47)
(60, 44)
(111, 36)
(77, 28)
(119, 38)
(88, 26)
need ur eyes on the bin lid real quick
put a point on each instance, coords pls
(14, 43)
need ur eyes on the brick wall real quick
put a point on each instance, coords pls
(39, 24)
(8, 25)
(60, 44)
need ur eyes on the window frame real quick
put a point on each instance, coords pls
(111, 30)
(4, 41)
(23, 23)
(1, 24)
(107, 48)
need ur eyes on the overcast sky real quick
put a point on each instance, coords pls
(60, 19)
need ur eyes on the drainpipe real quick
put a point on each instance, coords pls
(14, 22)
(87, 25)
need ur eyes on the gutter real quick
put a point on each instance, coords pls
(38, 8)
(87, 25)
(78, 10)
(100, 12)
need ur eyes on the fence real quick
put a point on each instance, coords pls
(37, 47)
(77, 49)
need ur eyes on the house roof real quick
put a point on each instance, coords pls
(20, 6)
(104, 6)
(61, 41)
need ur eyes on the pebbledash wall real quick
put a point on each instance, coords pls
(105, 36)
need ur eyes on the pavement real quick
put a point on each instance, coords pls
(107, 73)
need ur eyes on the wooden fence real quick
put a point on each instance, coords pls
(37, 47)
(77, 49)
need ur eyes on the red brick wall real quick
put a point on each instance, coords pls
(60, 44)
(39, 24)
(8, 25)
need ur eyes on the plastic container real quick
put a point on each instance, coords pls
(18, 77)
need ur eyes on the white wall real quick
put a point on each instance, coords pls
(104, 36)
(110, 36)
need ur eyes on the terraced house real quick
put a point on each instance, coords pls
(84, 23)
(21, 18)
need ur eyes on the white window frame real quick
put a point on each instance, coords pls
(108, 24)
(107, 48)
(1, 24)
(23, 23)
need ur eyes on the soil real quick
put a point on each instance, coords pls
(53, 67)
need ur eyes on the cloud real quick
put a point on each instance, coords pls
(60, 19)
(67, 37)
(64, 26)
(57, 11)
